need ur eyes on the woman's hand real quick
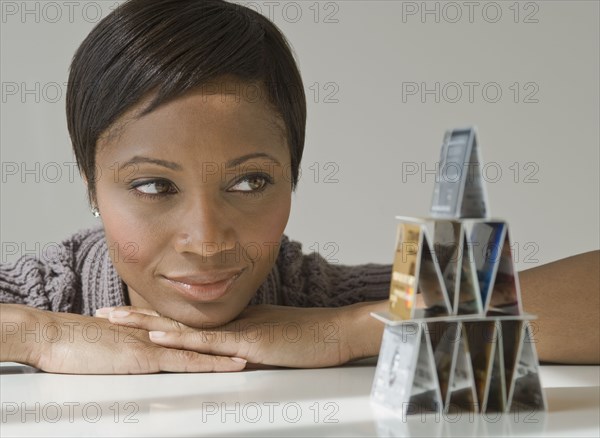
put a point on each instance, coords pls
(265, 334)
(75, 344)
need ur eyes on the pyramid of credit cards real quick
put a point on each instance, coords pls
(456, 336)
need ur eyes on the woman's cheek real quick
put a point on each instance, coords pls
(273, 224)
(130, 239)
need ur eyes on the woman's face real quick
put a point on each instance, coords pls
(194, 198)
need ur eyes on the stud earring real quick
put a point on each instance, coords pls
(95, 212)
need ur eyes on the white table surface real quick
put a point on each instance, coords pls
(267, 402)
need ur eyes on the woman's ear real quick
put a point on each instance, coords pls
(87, 189)
(91, 197)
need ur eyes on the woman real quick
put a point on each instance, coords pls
(187, 119)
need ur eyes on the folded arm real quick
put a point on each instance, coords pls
(565, 296)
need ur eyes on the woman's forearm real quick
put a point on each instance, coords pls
(363, 333)
(565, 295)
(13, 347)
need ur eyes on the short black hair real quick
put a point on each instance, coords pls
(170, 47)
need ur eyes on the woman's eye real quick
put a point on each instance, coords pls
(252, 183)
(154, 188)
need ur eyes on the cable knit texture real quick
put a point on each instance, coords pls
(78, 276)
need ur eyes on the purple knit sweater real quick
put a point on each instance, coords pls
(79, 277)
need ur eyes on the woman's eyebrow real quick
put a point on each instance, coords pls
(141, 159)
(176, 166)
(240, 160)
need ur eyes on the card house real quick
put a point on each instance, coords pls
(456, 336)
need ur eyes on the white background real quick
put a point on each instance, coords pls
(361, 120)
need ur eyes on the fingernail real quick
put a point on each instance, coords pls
(157, 334)
(120, 313)
(104, 310)
(238, 359)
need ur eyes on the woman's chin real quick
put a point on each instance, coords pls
(200, 319)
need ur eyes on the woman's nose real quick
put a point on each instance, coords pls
(204, 228)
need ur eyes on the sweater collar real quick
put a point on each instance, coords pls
(100, 278)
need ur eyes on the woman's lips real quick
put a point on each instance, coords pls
(204, 288)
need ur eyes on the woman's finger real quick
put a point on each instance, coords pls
(193, 362)
(103, 312)
(202, 341)
(144, 321)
